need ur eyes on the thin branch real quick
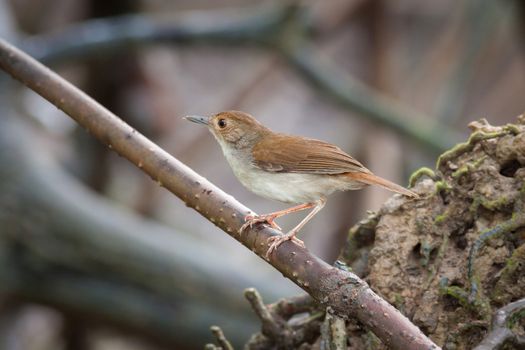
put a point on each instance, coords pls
(99, 36)
(346, 293)
(277, 331)
(358, 97)
(221, 339)
(333, 332)
(270, 326)
(91, 246)
(501, 332)
(288, 307)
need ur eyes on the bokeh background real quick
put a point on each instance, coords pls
(104, 258)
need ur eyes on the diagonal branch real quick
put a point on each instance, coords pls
(346, 293)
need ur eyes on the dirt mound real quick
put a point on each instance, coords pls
(450, 259)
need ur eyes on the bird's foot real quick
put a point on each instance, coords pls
(276, 241)
(250, 220)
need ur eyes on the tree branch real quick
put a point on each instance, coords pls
(97, 36)
(342, 290)
(356, 96)
(61, 244)
(282, 28)
(221, 339)
(501, 332)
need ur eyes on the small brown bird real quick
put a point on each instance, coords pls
(287, 168)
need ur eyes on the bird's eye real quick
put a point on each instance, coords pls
(221, 123)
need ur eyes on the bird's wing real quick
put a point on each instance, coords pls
(292, 154)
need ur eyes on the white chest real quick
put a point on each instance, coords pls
(283, 187)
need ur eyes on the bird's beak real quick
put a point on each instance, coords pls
(197, 119)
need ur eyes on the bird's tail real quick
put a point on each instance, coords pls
(371, 179)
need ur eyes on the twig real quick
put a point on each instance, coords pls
(221, 339)
(288, 307)
(501, 332)
(276, 330)
(333, 332)
(270, 326)
(346, 293)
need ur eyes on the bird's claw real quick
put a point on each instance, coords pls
(276, 241)
(251, 220)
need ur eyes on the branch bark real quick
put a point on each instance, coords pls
(61, 245)
(343, 291)
(501, 332)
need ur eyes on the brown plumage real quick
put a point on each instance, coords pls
(371, 179)
(287, 168)
(291, 154)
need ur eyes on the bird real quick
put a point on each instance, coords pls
(287, 168)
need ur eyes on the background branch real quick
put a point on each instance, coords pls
(282, 28)
(343, 291)
(86, 256)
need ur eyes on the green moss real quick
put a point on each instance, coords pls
(439, 219)
(522, 190)
(492, 205)
(512, 128)
(477, 162)
(515, 318)
(477, 304)
(416, 175)
(513, 268)
(372, 341)
(516, 260)
(480, 136)
(461, 148)
(399, 302)
(457, 293)
(442, 186)
(465, 168)
(451, 153)
(517, 220)
(496, 204)
(473, 209)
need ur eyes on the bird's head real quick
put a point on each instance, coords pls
(232, 128)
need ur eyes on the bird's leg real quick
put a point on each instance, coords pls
(251, 220)
(276, 241)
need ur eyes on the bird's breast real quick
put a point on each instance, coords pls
(283, 187)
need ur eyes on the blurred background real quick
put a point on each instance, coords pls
(95, 255)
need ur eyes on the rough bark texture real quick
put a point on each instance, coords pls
(450, 260)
